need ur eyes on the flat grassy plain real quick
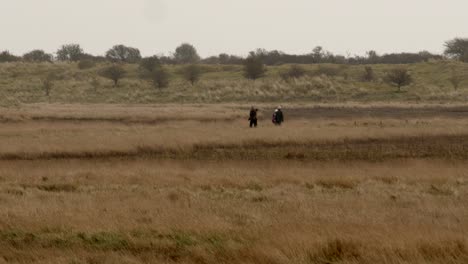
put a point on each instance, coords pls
(337, 183)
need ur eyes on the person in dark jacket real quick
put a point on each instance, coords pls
(253, 117)
(279, 117)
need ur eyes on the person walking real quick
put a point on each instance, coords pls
(278, 116)
(253, 117)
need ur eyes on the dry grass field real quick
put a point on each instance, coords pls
(193, 184)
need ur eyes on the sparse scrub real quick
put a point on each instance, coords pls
(431, 83)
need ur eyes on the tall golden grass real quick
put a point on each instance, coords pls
(194, 184)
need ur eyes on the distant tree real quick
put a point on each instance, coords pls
(70, 52)
(254, 67)
(6, 56)
(368, 75)
(399, 77)
(186, 54)
(121, 53)
(457, 48)
(294, 72)
(223, 58)
(192, 73)
(37, 56)
(114, 73)
(372, 57)
(150, 63)
(318, 54)
(160, 77)
(455, 79)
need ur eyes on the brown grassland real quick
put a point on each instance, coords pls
(193, 184)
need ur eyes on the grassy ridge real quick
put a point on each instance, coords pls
(22, 83)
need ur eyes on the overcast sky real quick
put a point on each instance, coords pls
(233, 26)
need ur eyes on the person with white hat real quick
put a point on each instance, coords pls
(278, 117)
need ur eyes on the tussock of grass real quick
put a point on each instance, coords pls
(337, 251)
(437, 190)
(337, 183)
(57, 187)
(445, 251)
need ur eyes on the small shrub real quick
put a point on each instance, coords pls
(191, 73)
(399, 77)
(114, 73)
(160, 77)
(254, 67)
(369, 75)
(150, 63)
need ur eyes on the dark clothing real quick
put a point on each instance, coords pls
(253, 122)
(279, 118)
(253, 118)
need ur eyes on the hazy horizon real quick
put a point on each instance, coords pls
(222, 26)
